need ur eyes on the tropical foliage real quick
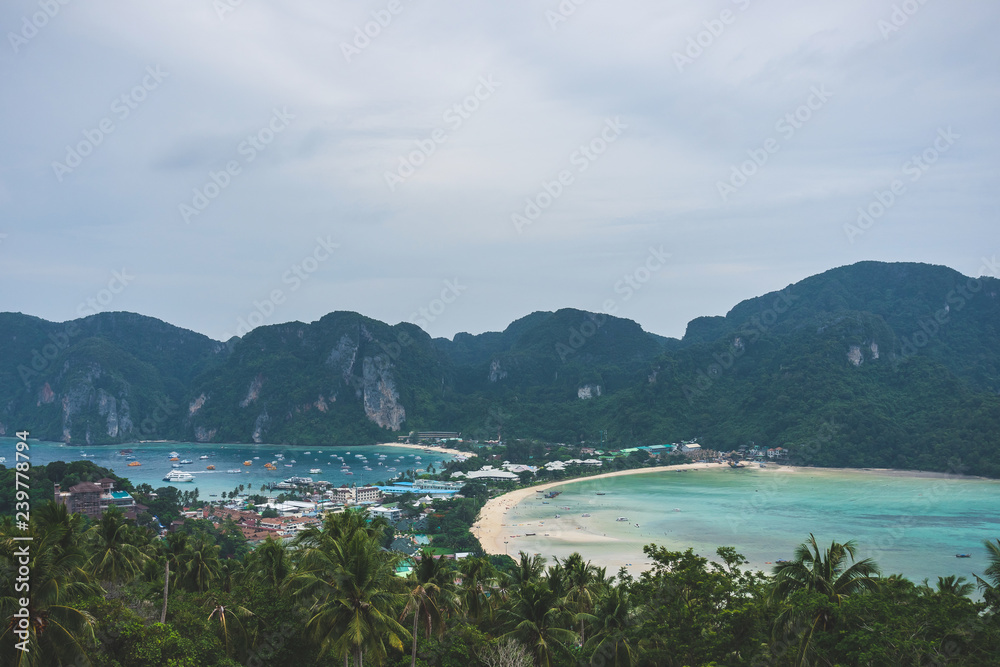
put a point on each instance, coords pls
(335, 596)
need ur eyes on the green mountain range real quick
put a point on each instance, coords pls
(872, 365)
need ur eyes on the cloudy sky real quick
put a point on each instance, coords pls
(461, 164)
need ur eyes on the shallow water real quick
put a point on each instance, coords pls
(909, 525)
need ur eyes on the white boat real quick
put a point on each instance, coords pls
(315, 471)
(183, 461)
(234, 471)
(203, 456)
(178, 476)
(173, 455)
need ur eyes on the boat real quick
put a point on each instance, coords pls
(392, 469)
(558, 515)
(186, 461)
(210, 468)
(586, 515)
(248, 463)
(134, 463)
(173, 454)
(256, 458)
(601, 493)
(307, 453)
(530, 534)
(963, 555)
(622, 518)
(175, 465)
(270, 466)
(235, 471)
(125, 451)
(348, 473)
(288, 465)
(203, 456)
(178, 476)
(315, 471)
(213, 495)
(175, 458)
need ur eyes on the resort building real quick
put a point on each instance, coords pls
(92, 498)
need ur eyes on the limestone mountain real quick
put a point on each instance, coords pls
(872, 364)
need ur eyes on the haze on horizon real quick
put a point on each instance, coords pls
(213, 159)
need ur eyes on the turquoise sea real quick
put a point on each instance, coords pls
(911, 525)
(156, 464)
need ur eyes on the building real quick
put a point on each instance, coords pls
(367, 494)
(390, 513)
(92, 498)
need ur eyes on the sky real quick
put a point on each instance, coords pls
(225, 164)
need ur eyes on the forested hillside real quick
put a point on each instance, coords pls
(873, 364)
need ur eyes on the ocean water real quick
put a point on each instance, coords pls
(155, 462)
(914, 526)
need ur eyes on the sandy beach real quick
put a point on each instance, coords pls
(489, 528)
(431, 448)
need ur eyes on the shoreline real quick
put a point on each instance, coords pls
(426, 448)
(490, 525)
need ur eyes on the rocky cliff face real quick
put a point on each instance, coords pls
(380, 395)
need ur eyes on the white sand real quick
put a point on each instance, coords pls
(426, 448)
(491, 526)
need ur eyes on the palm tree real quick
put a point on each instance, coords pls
(269, 562)
(537, 619)
(991, 585)
(583, 581)
(201, 565)
(826, 573)
(234, 634)
(613, 616)
(56, 630)
(951, 585)
(529, 568)
(115, 557)
(354, 588)
(478, 576)
(431, 595)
